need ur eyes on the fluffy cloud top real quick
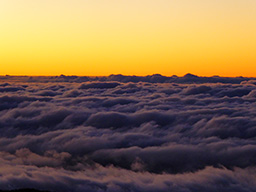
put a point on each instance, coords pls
(128, 133)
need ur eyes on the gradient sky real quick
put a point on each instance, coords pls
(131, 37)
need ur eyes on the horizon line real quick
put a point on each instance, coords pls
(119, 74)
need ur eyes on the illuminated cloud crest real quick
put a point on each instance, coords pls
(128, 133)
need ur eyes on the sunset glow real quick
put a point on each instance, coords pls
(102, 37)
(127, 95)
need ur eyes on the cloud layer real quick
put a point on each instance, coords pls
(128, 133)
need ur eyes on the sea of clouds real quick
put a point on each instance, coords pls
(128, 133)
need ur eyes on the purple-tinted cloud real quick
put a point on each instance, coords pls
(128, 133)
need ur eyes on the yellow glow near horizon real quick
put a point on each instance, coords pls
(130, 37)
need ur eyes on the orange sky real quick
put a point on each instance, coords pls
(131, 37)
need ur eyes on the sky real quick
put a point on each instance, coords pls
(102, 37)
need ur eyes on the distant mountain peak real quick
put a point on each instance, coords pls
(157, 75)
(189, 75)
